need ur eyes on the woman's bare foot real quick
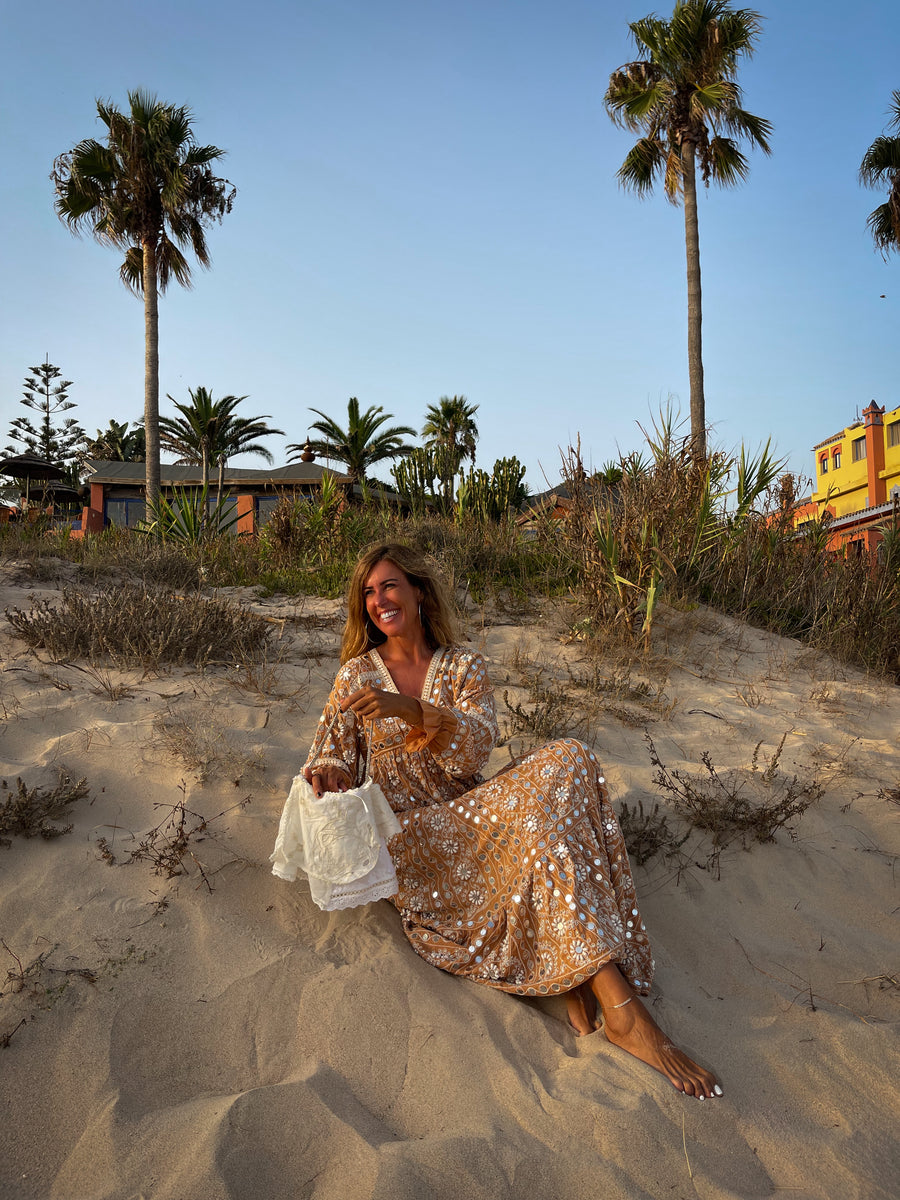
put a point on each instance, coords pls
(628, 1024)
(581, 1006)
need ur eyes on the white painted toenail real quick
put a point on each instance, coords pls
(718, 1090)
(701, 1096)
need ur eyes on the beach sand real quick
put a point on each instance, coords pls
(168, 1042)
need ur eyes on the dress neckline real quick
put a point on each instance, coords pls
(389, 679)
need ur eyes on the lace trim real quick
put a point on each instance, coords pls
(479, 720)
(360, 896)
(325, 761)
(379, 884)
(436, 725)
(436, 658)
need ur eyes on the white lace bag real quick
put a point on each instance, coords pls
(339, 841)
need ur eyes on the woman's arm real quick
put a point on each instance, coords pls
(461, 734)
(334, 759)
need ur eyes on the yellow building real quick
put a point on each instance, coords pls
(857, 478)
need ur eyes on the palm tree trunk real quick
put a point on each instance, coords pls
(221, 482)
(695, 303)
(151, 379)
(204, 480)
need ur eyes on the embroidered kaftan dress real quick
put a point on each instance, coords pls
(520, 882)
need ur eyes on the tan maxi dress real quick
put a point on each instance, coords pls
(520, 882)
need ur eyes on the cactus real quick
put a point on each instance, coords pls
(418, 477)
(491, 497)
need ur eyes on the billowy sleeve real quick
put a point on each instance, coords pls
(344, 745)
(462, 733)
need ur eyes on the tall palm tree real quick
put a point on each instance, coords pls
(151, 192)
(881, 168)
(682, 95)
(208, 431)
(362, 444)
(450, 424)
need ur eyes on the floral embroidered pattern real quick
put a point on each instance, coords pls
(520, 882)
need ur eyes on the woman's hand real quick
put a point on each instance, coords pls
(326, 779)
(372, 704)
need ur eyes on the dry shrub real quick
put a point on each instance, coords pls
(632, 528)
(648, 834)
(113, 555)
(201, 744)
(24, 976)
(131, 556)
(618, 683)
(719, 805)
(30, 812)
(132, 625)
(264, 676)
(615, 692)
(105, 685)
(168, 845)
(547, 712)
(548, 716)
(286, 530)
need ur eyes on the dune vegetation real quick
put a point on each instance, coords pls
(653, 527)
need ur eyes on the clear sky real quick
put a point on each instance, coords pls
(427, 205)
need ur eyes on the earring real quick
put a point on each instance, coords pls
(421, 618)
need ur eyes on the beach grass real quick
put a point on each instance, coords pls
(669, 530)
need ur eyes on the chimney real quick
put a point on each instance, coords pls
(875, 454)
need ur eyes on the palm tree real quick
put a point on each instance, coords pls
(450, 424)
(881, 168)
(149, 191)
(117, 443)
(208, 431)
(362, 444)
(683, 97)
(237, 437)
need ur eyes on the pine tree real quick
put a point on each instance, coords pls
(47, 394)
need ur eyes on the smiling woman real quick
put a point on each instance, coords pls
(520, 882)
(392, 602)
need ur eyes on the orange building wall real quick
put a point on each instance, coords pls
(849, 487)
(846, 489)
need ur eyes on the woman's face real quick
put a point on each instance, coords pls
(391, 601)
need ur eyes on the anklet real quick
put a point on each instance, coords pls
(624, 1002)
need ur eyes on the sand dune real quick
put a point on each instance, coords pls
(182, 1044)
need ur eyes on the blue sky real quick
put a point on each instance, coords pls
(427, 205)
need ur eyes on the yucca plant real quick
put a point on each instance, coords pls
(187, 519)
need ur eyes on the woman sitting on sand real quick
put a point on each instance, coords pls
(520, 882)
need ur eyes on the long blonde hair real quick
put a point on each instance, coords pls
(438, 622)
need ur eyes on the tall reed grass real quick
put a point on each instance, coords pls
(720, 532)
